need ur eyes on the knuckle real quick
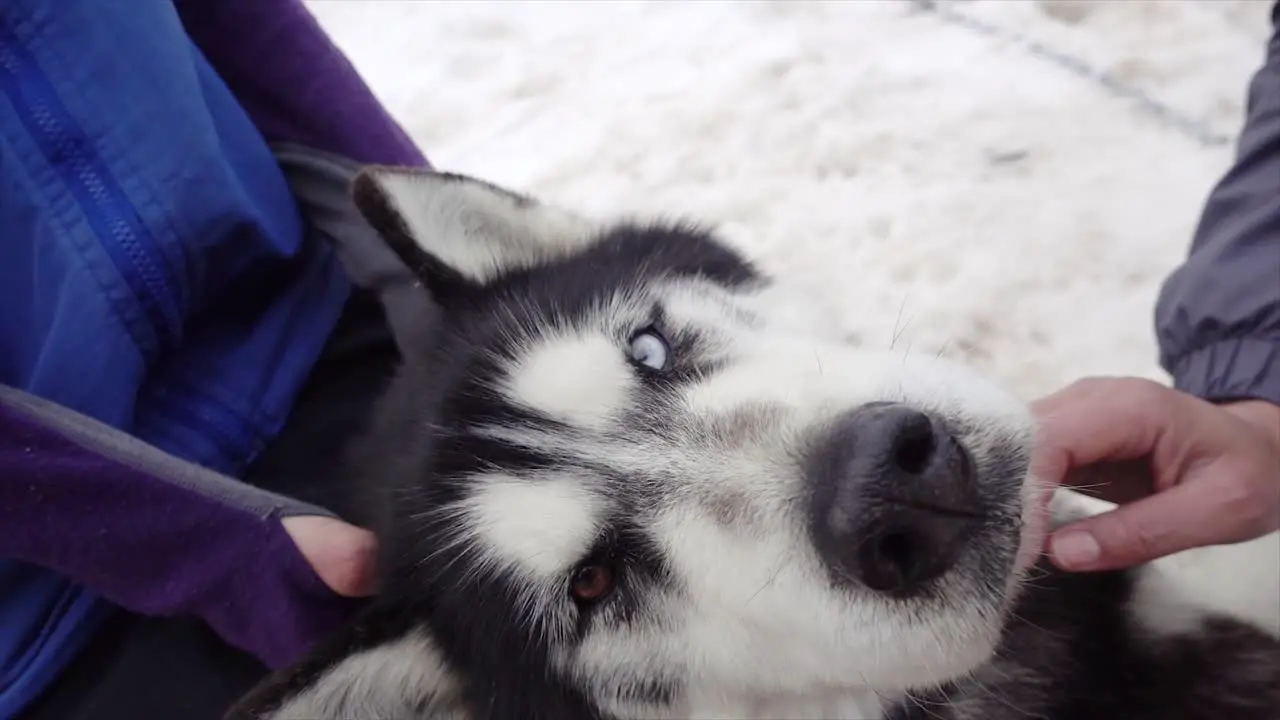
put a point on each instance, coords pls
(1149, 392)
(1089, 385)
(1143, 543)
(1249, 506)
(1135, 391)
(1243, 502)
(1080, 393)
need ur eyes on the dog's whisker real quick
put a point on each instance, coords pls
(897, 321)
(782, 563)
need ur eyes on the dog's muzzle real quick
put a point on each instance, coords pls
(893, 498)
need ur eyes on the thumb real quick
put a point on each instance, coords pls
(1153, 527)
(341, 554)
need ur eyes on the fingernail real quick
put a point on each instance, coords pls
(1076, 549)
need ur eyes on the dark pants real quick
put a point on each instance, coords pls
(146, 668)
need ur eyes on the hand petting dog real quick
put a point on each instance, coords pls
(1186, 473)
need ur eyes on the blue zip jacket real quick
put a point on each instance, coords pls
(155, 272)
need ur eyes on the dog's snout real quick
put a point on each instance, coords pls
(893, 497)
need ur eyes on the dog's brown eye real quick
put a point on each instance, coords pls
(591, 583)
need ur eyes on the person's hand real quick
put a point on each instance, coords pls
(341, 554)
(1186, 473)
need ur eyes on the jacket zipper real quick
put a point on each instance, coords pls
(103, 203)
(111, 215)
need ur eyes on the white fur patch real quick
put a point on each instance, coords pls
(582, 380)
(478, 230)
(391, 680)
(540, 525)
(1175, 595)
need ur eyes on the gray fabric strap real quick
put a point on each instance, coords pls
(106, 441)
(321, 183)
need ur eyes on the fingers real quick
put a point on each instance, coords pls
(342, 555)
(1185, 472)
(1111, 420)
(1178, 519)
(1102, 419)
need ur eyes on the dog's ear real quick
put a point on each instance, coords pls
(455, 231)
(381, 666)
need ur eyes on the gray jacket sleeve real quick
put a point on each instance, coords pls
(1217, 318)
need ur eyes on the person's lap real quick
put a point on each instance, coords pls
(155, 668)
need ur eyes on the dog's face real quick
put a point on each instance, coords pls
(629, 476)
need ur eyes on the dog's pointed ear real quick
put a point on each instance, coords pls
(455, 231)
(378, 667)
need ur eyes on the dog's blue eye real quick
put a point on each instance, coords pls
(650, 349)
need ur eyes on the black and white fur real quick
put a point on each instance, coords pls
(638, 397)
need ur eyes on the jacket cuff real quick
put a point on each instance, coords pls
(155, 535)
(1231, 370)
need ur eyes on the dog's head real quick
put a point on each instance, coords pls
(628, 475)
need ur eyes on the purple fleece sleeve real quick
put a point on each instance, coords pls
(206, 545)
(293, 81)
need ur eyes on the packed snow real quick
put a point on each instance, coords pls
(1004, 181)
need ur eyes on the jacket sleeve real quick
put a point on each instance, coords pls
(1217, 317)
(205, 545)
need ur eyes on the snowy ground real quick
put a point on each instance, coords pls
(1002, 206)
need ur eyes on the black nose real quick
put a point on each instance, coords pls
(893, 498)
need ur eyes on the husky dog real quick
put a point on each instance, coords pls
(625, 474)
